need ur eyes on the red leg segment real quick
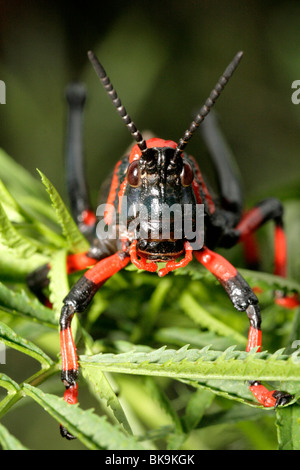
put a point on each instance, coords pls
(76, 301)
(78, 262)
(269, 398)
(264, 211)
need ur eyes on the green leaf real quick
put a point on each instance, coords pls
(235, 414)
(20, 181)
(14, 269)
(204, 319)
(204, 364)
(104, 391)
(13, 390)
(196, 407)
(93, 431)
(163, 401)
(10, 205)
(9, 442)
(8, 383)
(21, 303)
(59, 285)
(77, 242)
(288, 427)
(179, 336)
(13, 241)
(175, 438)
(11, 339)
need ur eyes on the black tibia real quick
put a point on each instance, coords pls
(264, 211)
(243, 299)
(38, 280)
(271, 209)
(239, 292)
(231, 194)
(77, 300)
(75, 168)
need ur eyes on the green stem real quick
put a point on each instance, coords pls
(14, 396)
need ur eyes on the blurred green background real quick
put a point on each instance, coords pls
(163, 57)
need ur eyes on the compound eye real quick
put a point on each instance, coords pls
(187, 175)
(134, 174)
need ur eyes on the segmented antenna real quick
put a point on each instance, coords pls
(215, 93)
(117, 102)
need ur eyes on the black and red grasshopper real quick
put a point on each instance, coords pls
(157, 172)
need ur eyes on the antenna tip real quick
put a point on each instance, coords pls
(238, 56)
(96, 64)
(90, 55)
(75, 94)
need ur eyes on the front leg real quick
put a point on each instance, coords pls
(238, 290)
(243, 299)
(77, 300)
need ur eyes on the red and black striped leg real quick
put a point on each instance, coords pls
(77, 300)
(268, 209)
(243, 299)
(76, 180)
(264, 211)
(38, 279)
(251, 252)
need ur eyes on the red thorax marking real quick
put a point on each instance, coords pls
(196, 187)
(136, 153)
(112, 195)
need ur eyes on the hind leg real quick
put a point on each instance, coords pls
(266, 210)
(75, 167)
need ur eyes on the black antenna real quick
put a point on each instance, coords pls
(215, 93)
(117, 102)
